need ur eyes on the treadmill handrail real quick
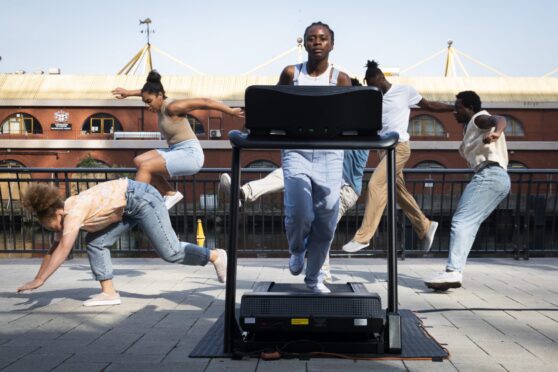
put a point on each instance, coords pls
(247, 141)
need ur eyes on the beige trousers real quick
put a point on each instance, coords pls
(376, 197)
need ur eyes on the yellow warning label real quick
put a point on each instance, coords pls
(300, 321)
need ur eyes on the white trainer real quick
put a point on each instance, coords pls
(318, 288)
(220, 265)
(225, 183)
(429, 236)
(445, 280)
(326, 271)
(103, 299)
(171, 200)
(354, 246)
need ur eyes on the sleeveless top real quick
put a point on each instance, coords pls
(301, 76)
(173, 130)
(476, 152)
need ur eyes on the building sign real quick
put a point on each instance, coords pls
(61, 121)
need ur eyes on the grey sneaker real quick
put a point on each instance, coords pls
(220, 265)
(296, 263)
(429, 237)
(171, 200)
(103, 299)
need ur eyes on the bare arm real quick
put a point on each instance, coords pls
(46, 259)
(183, 106)
(343, 80)
(52, 261)
(287, 76)
(434, 105)
(122, 93)
(491, 121)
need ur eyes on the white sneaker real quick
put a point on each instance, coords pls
(225, 183)
(103, 299)
(220, 265)
(354, 246)
(318, 288)
(429, 236)
(326, 271)
(225, 186)
(445, 280)
(171, 200)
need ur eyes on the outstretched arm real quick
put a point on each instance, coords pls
(434, 105)
(52, 261)
(491, 121)
(183, 106)
(122, 93)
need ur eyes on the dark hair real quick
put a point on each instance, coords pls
(470, 100)
(319, 24)
(355, 82)
(153, 84)
(372, 69)
(43, 200)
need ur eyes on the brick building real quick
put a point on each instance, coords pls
(59, 120)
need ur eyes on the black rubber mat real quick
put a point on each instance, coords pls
(417, 343)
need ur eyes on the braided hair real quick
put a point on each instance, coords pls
(322, 25)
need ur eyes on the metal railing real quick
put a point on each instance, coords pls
(525, 223)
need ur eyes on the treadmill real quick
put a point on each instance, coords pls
(289, 317)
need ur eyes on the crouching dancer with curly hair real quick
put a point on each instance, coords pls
(106, 211)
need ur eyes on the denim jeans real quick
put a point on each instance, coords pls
(144, 207)
(481, 196)
(313, 181)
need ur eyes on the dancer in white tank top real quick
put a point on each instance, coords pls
(313, 178)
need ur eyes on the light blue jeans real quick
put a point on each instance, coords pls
(144, 207)
(481, 196)
(313, 181)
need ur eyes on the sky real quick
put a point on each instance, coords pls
(518, 38)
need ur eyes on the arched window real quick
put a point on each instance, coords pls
(196, 124)
(21, 123)
(513, 164)
(513, 127)
(429, 164)
(101, 123)
(426, 126)
(261, 164)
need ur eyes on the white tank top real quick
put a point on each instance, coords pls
(301, 76)
(476, 152)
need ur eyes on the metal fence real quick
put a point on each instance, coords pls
(524, 224)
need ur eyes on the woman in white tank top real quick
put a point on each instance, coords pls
(312, 178)
(184, 157)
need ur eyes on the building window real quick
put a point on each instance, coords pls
(261, 164)
(196, 125)
(513, 127)
(14, 186)
(426, 126)
(516, 165)
(21, 123)
(429, 164)
(101, 124)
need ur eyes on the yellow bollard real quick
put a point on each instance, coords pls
(200, 236)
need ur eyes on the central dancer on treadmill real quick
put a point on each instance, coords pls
(313, 178)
